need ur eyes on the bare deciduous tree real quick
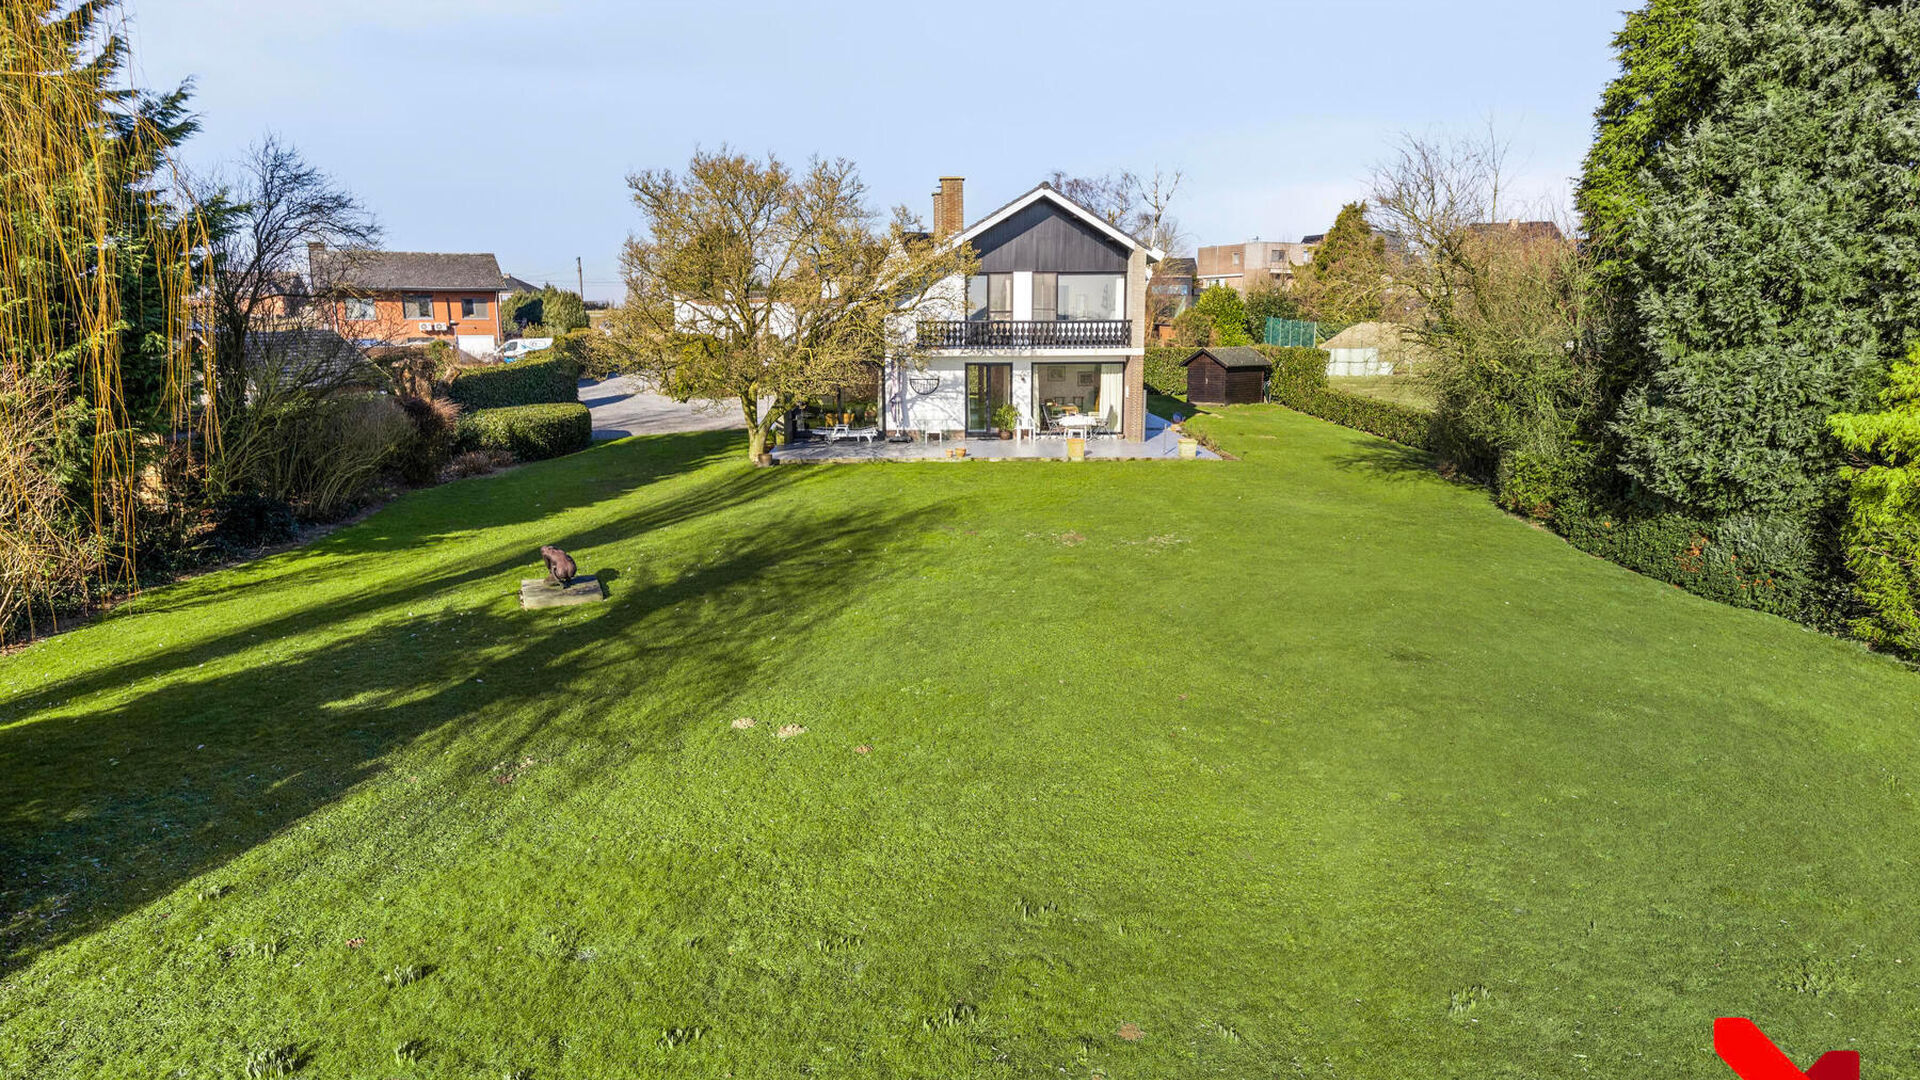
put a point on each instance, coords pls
(755, 283)
(259, 227)
(1500, 305)
(1141, 206)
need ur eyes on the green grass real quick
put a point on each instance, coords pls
(1308, 764)
(1399, 389)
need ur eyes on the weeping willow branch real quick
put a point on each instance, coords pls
(95, 272)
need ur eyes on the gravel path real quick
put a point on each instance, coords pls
(624, 405)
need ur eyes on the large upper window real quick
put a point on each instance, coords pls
(990, 296)
(1089, 296)
(359, 309)
(417, 306)
(473, 309)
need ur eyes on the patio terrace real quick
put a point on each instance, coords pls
(1162, 442)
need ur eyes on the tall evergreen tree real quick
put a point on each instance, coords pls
(1346, 280)
(1753, 193)
(1882, 531)
(1654, 99)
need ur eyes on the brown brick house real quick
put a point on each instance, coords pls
(411, 297)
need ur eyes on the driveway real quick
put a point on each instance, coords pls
(624, 405)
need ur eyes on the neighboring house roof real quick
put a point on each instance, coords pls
(384, 271)
(1526, 230)
(303, 357)
(1047, 193)
(509, 283)
(1373, 335)
(1179, 267)
(1233, 357)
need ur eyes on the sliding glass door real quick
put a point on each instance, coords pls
(989, 386)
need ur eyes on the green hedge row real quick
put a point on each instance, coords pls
(538, 380)
(1163, 371)
(1694, 555)
(529, 432)
(1300, 383)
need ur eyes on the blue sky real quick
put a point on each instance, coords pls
(510, 125)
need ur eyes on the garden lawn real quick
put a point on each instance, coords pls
(1304, 764)
(1398, 389)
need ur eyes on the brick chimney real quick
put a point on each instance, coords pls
(949, 207)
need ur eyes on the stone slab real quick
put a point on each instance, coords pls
(538, 593)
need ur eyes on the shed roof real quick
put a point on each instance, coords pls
(1233, 357)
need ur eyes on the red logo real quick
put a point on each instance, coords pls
(1751, 1055)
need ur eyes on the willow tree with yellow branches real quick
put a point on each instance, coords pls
(96, 251)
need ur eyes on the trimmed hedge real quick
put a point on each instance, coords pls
(1162, 369)
(529, 432)
(1706, 560)
(537, 380)
(1300, 383)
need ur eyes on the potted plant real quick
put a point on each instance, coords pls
(1005, 419)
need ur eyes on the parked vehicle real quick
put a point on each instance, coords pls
(519, 347)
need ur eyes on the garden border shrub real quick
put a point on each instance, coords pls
(529, 432)
(1300, 383)
(1161, 368)
(538, 380)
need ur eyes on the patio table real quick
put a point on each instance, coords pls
(1080, 424)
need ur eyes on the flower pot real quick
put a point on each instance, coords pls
(1076, 448)
(1005, 434)
(1189, 449)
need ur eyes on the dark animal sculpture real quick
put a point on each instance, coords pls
(560, 568)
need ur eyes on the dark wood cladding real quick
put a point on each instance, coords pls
(1043, 237)
(1025, 334)
(1210, 382)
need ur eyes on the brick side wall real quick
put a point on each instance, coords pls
(1133, 425)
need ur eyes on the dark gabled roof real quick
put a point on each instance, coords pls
(1233, 357)
(509, 283)
(1045, 190)
(1177, 267)
(303, 357)
(385, 271)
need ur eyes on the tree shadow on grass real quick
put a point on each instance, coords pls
(1390, 461)
(386, 584)
(105, 811)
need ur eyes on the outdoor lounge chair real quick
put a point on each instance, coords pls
(1109, 426)
(842, 431)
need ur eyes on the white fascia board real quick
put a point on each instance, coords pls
(1063, 203)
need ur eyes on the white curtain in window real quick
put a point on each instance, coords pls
(1113, 389)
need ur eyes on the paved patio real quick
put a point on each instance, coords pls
(1162, 442)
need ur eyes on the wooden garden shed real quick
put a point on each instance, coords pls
(1227, 375)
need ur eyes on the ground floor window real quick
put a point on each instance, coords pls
(1079, 389)
(989, 386)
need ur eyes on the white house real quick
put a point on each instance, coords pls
(1053, 322)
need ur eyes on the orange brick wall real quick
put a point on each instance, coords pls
(390, 324)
